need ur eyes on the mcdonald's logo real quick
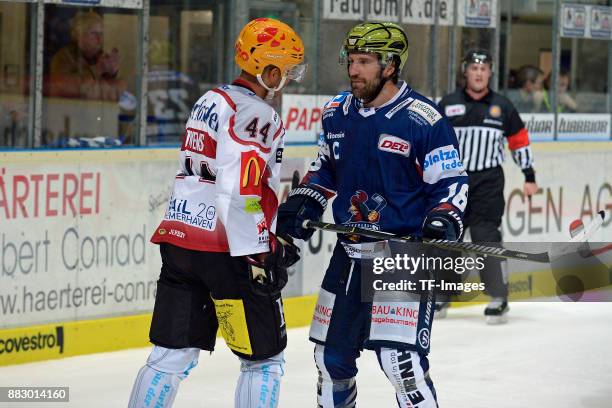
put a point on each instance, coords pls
(251, 172)
(246, 176)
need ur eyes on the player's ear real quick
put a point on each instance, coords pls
(277, 75)
(389, 70)
(272, 75)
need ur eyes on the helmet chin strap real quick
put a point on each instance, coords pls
(271, 91)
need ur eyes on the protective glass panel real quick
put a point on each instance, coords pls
(469, 38)
(583, 77)
(584, 74)
(442, 61)
(90, 77)
(15, 92)
(526, 53)
(185, 60)
(416, 71)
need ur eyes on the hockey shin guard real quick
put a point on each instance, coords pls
(259, 382)
(157, 382)
(336, 387)
(408, 371)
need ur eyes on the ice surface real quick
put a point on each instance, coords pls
(549, 355)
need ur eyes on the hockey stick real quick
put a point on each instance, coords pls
(503, 253)
(579, 234)
(295, 179)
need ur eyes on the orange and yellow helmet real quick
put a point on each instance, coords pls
(265, 41)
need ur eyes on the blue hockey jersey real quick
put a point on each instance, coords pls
(388, 166)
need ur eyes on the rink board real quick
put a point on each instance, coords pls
(55, 206)
(66, 339)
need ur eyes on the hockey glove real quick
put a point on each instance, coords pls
(270, 275)
(303, 203)
(443, 222)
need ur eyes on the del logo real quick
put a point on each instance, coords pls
(393, 144)
(251, 172)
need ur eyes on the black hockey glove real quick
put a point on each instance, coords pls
(303, 203)
(270, 275)
(443, 222)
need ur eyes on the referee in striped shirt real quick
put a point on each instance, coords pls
(482, 119)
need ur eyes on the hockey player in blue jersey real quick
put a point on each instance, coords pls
(391, 160)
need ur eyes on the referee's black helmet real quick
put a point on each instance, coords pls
(478, 56)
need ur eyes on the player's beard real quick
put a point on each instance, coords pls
(370, 90)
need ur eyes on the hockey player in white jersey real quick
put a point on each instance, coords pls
(222, 266)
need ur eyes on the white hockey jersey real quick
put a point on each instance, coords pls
(225, 193)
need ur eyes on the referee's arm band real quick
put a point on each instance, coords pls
(519, 139)
(529, 175)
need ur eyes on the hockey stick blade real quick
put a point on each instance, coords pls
(587, 232)
(580, 234)
(478, 249)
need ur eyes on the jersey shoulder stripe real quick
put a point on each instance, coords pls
(227, 98)
(399, 107)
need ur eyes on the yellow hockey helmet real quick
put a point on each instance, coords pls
(266, 41)
(385, 39)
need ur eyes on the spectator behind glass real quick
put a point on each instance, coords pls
(170, 94)
(530, 96)
(82, 69)
(565, 103)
